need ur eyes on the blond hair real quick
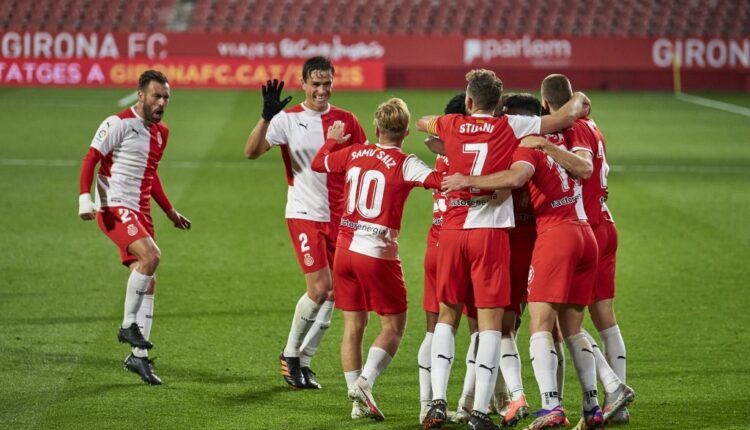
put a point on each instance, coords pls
(485, 88)
(392, 119)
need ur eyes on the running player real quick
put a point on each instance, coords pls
(128, 147)
(314, 203)
(367, 270)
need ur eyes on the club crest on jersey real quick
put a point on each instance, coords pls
(159, 140)
(309, 261)
(132, 230)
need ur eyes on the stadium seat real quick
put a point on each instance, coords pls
(552, 18)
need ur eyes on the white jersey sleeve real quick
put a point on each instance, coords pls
(525, 125)
(277, 130)
(108, 135)
(415, 170)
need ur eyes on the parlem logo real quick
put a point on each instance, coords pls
(487, 50)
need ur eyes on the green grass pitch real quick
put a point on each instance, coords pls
(679, 191)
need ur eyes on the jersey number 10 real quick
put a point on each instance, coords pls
(365, 192)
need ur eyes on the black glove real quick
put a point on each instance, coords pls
(272, 103)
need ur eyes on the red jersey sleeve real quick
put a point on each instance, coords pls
(335, 160)
(93, 156)
(575, 139)
(528, 156)
(441, 126)
(160, 197)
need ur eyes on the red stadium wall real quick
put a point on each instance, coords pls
(366, 63)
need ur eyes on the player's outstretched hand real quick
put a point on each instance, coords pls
(178, 220)
(585, 103)
(272, 103)
(86, 209)
(455, 182)
(533, 142)
(336, 132)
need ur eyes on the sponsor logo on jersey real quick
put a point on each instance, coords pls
(102, 134)
(567, 200)
(531, 277)
(132, 230)
(309, 261)
(159, 140)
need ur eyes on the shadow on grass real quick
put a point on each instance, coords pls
(66, 319)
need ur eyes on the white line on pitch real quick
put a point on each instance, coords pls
(128, 99)
(728, 107)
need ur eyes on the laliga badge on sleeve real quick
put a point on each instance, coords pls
(309, 261)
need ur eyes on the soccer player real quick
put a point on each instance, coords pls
(473, 241)
(128, 147)
(431, 304)
(314, 203)
(586, 139)
(367, 270)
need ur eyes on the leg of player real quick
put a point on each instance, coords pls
(466, 401)
(487, 358)
(380, 355)
(603, 316)
(441, 356)
(544, 361)
(560, 350)
(312, 340)
(355, 323)
(582, 355)
(139, 302)
(510, 370)
(141, 275)
(425, 365)
(319, 285)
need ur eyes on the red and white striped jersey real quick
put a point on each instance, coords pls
(479, 145)
(300, 133)
(378, 181)
(438, 206)
(584, 134)
(131, 149)
(555, 196)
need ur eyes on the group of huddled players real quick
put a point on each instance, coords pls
(520, 222)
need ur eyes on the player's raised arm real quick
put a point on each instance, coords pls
(434, 144)
(518, 174)
(578, 106)
(335, 136)
(578, 164)
(257, 144)
(427, 124)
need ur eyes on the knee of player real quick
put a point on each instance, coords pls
(150, 260)
(321, 290)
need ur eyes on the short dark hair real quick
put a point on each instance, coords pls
(316, 63)
(522, 104)
(457, 104)
(556, 90)
(151, 75)
(485, 88)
